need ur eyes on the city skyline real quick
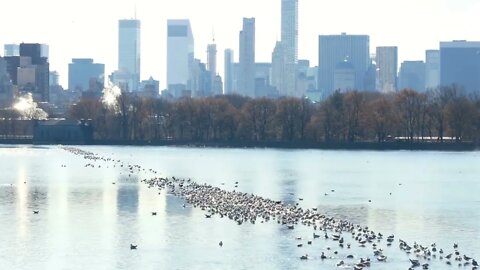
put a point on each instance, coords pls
(71, 34)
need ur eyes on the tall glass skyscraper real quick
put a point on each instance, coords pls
(180, 55)
(289, 47)
(129, 52)
(246, 78)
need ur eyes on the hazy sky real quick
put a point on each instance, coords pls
(89, 28)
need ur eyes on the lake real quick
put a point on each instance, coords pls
(88, 217)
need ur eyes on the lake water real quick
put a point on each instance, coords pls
(86, 222)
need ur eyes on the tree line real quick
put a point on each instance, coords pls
(344, 117)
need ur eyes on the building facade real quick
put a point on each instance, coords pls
(432, 69)
(412, 76)
(460, 65)
(129, 53)
(228, 72)
(85, 75)
(246, 78)
(289, 41)
(212, 67)
(386, 60)
(180, 56)
(335, 49)
(11, 50)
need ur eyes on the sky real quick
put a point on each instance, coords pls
(89, 28)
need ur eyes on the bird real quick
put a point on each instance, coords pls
(208, 216)
(36, 212)
(132, 246)
(154, 213)
(455, 245)
(300, 245)
(304, 257)
(340, 263)
(382, 258)
(220, 244)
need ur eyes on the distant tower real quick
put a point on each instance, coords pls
(387, 66)
(432, 69)
(228, 69)
(212, 65)
(180, 56)
(246, 80)
(289, 46)
(129, 51)
(333, 50)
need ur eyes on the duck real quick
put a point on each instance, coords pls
(304, 257)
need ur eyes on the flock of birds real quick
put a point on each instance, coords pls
(248, 208)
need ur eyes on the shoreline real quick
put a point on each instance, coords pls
(357, 146)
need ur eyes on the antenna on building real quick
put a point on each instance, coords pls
(135, 11)
(213, 35)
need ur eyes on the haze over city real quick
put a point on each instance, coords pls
(89, 29)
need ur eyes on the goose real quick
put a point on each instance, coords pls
(304, 257)
(474, 263)
(340, 263)
(323, 257)
(466, 258)
(315, 236)
(425, 266)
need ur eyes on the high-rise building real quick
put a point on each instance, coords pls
(6, 90)
(432, 69)
(412, 76)
(33, 70)
(337, 49)
(180, 56)
(228, 69)
(11, 50)
(86, 76)
(246, 80)
(212, 67)
(278, 68)
(387, 66)
(289, 42)
(129, 52)
(460, 65)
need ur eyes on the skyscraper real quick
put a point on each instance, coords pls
(432, 69)
(212, 67)
(129, 52)
(246, 80)
(278, 68)
(387, 66)
(33, 71)
(412, 76)
(290, 47)
(180, 56)
(460, 65)
(85, 75)
(228, 69)
(336, 49)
